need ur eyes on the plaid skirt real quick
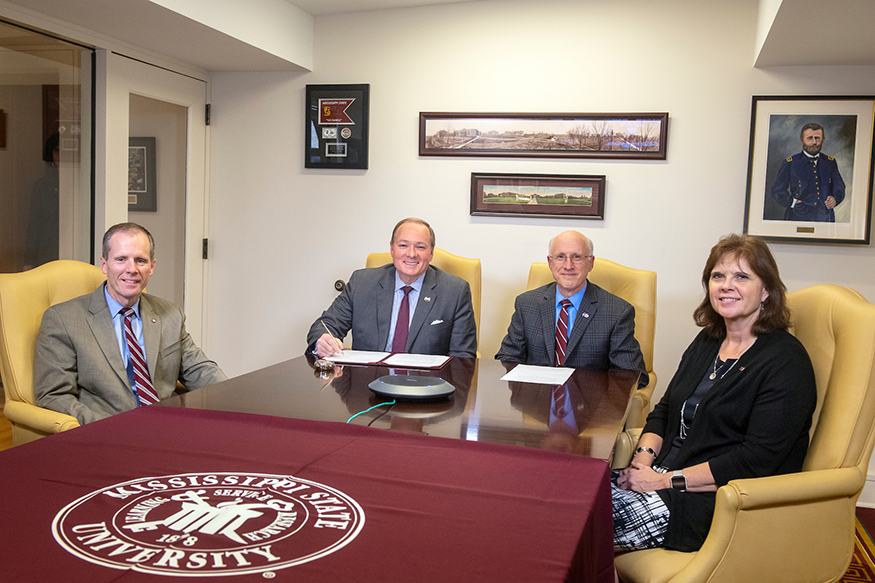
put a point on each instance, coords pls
(640, 518)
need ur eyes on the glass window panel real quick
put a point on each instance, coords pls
(45, 149)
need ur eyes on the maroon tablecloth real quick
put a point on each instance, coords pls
(247, 498)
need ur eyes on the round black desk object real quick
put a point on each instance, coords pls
(412, 387)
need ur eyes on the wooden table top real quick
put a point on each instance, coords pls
(482, 408)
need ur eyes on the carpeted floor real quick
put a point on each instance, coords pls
(862, 566)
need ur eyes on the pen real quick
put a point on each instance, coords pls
(330, 334)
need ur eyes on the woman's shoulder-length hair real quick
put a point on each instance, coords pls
(774, 313)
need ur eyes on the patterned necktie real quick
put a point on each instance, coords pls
(145, 390)
(559, 402)
(402, 323)
(562, 332)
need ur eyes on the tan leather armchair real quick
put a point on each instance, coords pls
(464, 267)
(638, 287)
(795, 527)
(23, 299)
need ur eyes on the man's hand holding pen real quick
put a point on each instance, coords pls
(328, 345)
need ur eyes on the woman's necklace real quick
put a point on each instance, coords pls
(714, 372)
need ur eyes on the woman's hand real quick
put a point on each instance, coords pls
(642, 478)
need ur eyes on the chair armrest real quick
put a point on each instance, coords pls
(756, 522)
(37, 418)
(624, 448)
(797, 488)
(639, 408)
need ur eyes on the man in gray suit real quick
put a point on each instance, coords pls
(600, 326)
(83, 364)
(440, 317)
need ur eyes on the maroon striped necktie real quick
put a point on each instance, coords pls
(145, 390)
(559, 402)
(562, 332)
(402, 322)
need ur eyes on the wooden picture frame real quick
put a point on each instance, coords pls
(787, 196)
(627, 136)
(538, 195)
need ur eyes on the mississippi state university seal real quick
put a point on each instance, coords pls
(205, 524)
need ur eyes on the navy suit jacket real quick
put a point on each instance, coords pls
(78, 367)
(603, 335)
(443, 320)
(808, 185)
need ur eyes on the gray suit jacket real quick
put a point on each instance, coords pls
(443, 321)
(78, 368)
(603, 335)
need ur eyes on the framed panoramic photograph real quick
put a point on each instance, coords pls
(538, 195)
(810, 169)
(630, 136)
(336, 126)
(142, 195)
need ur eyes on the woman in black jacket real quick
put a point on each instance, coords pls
(739, 406)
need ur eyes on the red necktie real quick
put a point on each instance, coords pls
(562, 332)
(145, 390)
(559, 402)
(402, 323)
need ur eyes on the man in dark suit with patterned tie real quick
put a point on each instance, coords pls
(572, 322)
(809, 185)
(117, 348)
(433, 306)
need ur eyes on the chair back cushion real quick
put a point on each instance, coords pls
(23, 299)
(636, 286)
(837, 327)
(464, 267)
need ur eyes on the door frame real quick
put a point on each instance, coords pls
(116, 78)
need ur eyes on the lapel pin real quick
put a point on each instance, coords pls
(154, 320)
(586, 314)
(426, 299)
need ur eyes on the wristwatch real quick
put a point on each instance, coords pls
(679, 480)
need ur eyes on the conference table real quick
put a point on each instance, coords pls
(262, 477)
(483, 408)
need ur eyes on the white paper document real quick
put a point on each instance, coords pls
(358, 357)
(405, 360)
(542, 375)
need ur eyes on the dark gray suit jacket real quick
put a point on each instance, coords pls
(603, 335)
(78, 368)
(443, 321)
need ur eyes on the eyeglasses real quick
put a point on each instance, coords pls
(575, 259)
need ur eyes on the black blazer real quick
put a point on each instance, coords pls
(752, 423)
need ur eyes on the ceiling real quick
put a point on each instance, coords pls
(842, 32)
(323, 7)
(841, 35)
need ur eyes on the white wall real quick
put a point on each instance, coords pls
(281, 234)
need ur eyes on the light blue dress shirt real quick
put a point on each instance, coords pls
(118, 324)
(576, 299)
(412, 298)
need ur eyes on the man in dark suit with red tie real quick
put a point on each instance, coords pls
(572, 322)
(433, 306)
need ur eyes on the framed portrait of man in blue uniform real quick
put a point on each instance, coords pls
(810, 169)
